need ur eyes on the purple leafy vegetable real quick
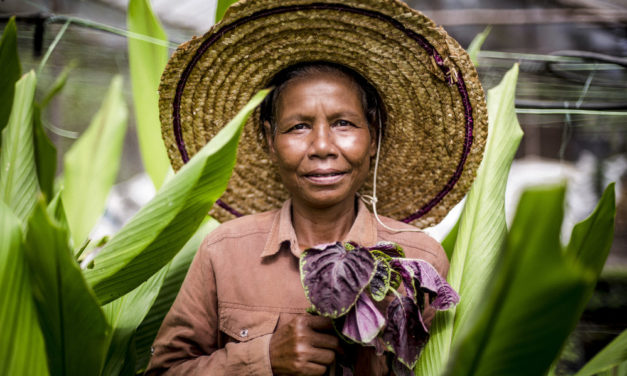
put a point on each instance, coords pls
(364, 322)
(380, 283)
(389, 248)
(405, 333)
(333, 278)
(419, 276)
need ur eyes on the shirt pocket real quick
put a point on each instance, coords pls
(246, 323)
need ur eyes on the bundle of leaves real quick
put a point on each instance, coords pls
(347, 283)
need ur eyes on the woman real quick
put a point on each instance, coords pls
(242, 308)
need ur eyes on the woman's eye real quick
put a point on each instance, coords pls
(298, 127)
(344, 123)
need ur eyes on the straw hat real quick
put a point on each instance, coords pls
(436, 113)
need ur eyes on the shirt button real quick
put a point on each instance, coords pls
(243, 333)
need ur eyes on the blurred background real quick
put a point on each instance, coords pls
(571, 103)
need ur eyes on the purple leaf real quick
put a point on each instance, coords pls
(389, 248)
(333, 278)
(380, 282)
(405, 333)
(419, 276)
(364, 322)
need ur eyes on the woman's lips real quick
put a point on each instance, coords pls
(325, 178)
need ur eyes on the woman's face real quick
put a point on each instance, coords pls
(322, 145)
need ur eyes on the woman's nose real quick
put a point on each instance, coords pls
(322, 145)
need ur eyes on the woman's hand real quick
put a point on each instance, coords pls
(303, 346)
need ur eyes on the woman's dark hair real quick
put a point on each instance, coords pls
(370, 99)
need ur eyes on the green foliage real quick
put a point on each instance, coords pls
(147, 61)
(18, 180)
(482, 226)
(11, 70)
(91, 165)
(613, 355)
(22, 349)
(125, 314)
(476, 43)
(45, 155)
(71, 320)
(163, 226)
(221, 8)
(531, 305)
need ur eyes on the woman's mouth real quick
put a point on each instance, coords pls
(325, 178)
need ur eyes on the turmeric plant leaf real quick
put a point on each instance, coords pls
(18, 173)
(147, 61)
(22, 350)
(92, 163)
(482, 227)
(11, 71)
(612, 355)
(158, 231)
(71, 320)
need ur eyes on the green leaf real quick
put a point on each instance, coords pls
(591, 239)
(179, 265)
(91, 164)
(57, 212)
(476, 43)
(611, 356)
(73, 325)
(124, 315)
(147, 61)
(156, 233)
(530, 308)
(58, 85)
(11, 70)
(45, 156)
(221, 8)
(449, 241)
(482, 227)
(22, 350)
(18, 174)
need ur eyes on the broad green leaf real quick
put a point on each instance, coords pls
(531, 305)
(74, 327)
(124, 315)
(482, 227)
(179, 265)
(147, 61)
(18, 174)
(57, 212)
(591, 239)
(11, 70)
(45, 155)
(611, 356)
(159, 230)
(476, 43)
(91, 164)
(22, 350)
(221, 8)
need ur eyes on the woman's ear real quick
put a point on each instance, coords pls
(267, 130)
(373, 142)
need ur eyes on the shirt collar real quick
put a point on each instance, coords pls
(282, 234)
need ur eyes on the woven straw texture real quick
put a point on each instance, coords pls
(436, 114)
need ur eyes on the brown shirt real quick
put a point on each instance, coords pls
(244, 283)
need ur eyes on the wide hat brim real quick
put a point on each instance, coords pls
(436, 114)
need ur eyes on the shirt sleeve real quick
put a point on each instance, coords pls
(188, 340)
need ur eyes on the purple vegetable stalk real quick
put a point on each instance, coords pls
(344, 282)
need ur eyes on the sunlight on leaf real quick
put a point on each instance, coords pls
(159, 230)
(73, 325)
(147, 61)
(482, 227)
(11, 70)
(221, 8)
(18, 174)
(22, 350)
(91, 164)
